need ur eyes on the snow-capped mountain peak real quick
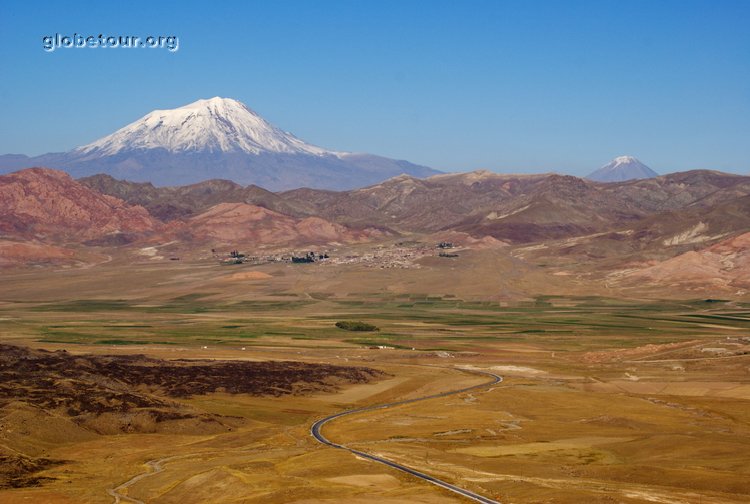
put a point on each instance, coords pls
(622, 168)
(208, 125)
(219, 138)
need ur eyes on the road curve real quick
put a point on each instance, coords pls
(315, 431)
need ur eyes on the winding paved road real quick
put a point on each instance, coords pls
(315, 431)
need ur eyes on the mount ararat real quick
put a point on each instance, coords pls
(217, 138)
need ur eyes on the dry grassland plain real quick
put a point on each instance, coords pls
(604, 398)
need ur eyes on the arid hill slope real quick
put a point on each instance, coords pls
(50, 206)
(528, 208)
(243, 223)
(725, 264)
(47, 217)
(169, 203)
(513, 208)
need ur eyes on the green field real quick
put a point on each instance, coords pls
(557, 323)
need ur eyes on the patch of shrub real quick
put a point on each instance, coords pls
(350, 325)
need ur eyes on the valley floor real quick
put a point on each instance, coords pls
(603, 400)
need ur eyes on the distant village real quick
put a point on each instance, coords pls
(401, 255)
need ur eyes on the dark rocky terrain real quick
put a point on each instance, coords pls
(19, 471)
(90, 395)
(90, 384)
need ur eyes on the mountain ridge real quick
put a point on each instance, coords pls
(515, 208)
(581, 228)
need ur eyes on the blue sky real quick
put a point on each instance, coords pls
(510, 86)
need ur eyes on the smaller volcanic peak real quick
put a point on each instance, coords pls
(48, 204)
(622, 168)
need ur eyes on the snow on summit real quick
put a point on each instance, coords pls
(620, 160)
(212, 125)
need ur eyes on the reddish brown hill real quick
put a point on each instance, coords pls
(695, 188)
(50, 206)
(513, 208)
(243, 223)
(557, 206)
(516, 208)
(656, 237)
(410, 204)
(13, 252)
(171, 203)
(724, 265)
